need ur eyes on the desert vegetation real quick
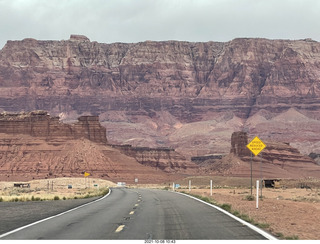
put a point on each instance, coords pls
(55, 189)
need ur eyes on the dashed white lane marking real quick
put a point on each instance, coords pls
(132, 212)
(136, 205)
(120, 228)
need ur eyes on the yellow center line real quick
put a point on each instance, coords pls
(120, 228)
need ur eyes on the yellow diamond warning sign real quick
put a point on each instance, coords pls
(256, 146)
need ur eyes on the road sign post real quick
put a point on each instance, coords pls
(257, 200)
(256, 146)
(86, 174)
(251, 173)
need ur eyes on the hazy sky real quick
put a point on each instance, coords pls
(139, 20)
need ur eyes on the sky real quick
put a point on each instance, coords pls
(128, 21)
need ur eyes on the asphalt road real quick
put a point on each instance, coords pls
(139, 214)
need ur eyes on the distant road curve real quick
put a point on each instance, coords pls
(140, 214)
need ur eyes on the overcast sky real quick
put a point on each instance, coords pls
(110, 21)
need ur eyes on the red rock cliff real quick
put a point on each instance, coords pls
(165, 159)
(188, 81)
(278, 159)
(40, 124)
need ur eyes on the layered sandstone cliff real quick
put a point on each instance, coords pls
(162, 92)
(41, 124)
(35, 145)
(24, 157)
(277, 159)
(165, 159)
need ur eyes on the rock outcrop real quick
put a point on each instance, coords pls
(277, 159)
(239, 142)
(41, 124)
(219, 86)
(165, 159)
(24, 157)
(35, 145)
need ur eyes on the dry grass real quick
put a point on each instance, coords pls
(54, 189)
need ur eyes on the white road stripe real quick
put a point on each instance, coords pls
(42, 220)
(261, 232)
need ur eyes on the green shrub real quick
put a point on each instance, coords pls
(1, 200)
(263, 225)
(279, 235)
(56, 198)
(105, 192)
(226, 207)
(294, 237)
(35, 198)
(250, 198)
(246, 218)
(206, 199)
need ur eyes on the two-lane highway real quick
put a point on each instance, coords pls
(139, 214)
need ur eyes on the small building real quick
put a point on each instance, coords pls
(272, 183)
(21, 185)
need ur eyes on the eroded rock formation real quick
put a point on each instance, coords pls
(165, 159)
(277, 159)
(23, 158)
(41, 124)
(35, 145)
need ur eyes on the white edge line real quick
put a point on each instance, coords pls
(255, 228)
(42, 220)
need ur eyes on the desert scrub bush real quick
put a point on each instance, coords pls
(35, 198)
(294, 237)
(236, 213)
(281, 236)
(15, 199)
(105, 191)
(246, 218)
(206, 199)
(249, 198)
(226, 207)
(56, 198)
(263, 225)
(1, 200)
